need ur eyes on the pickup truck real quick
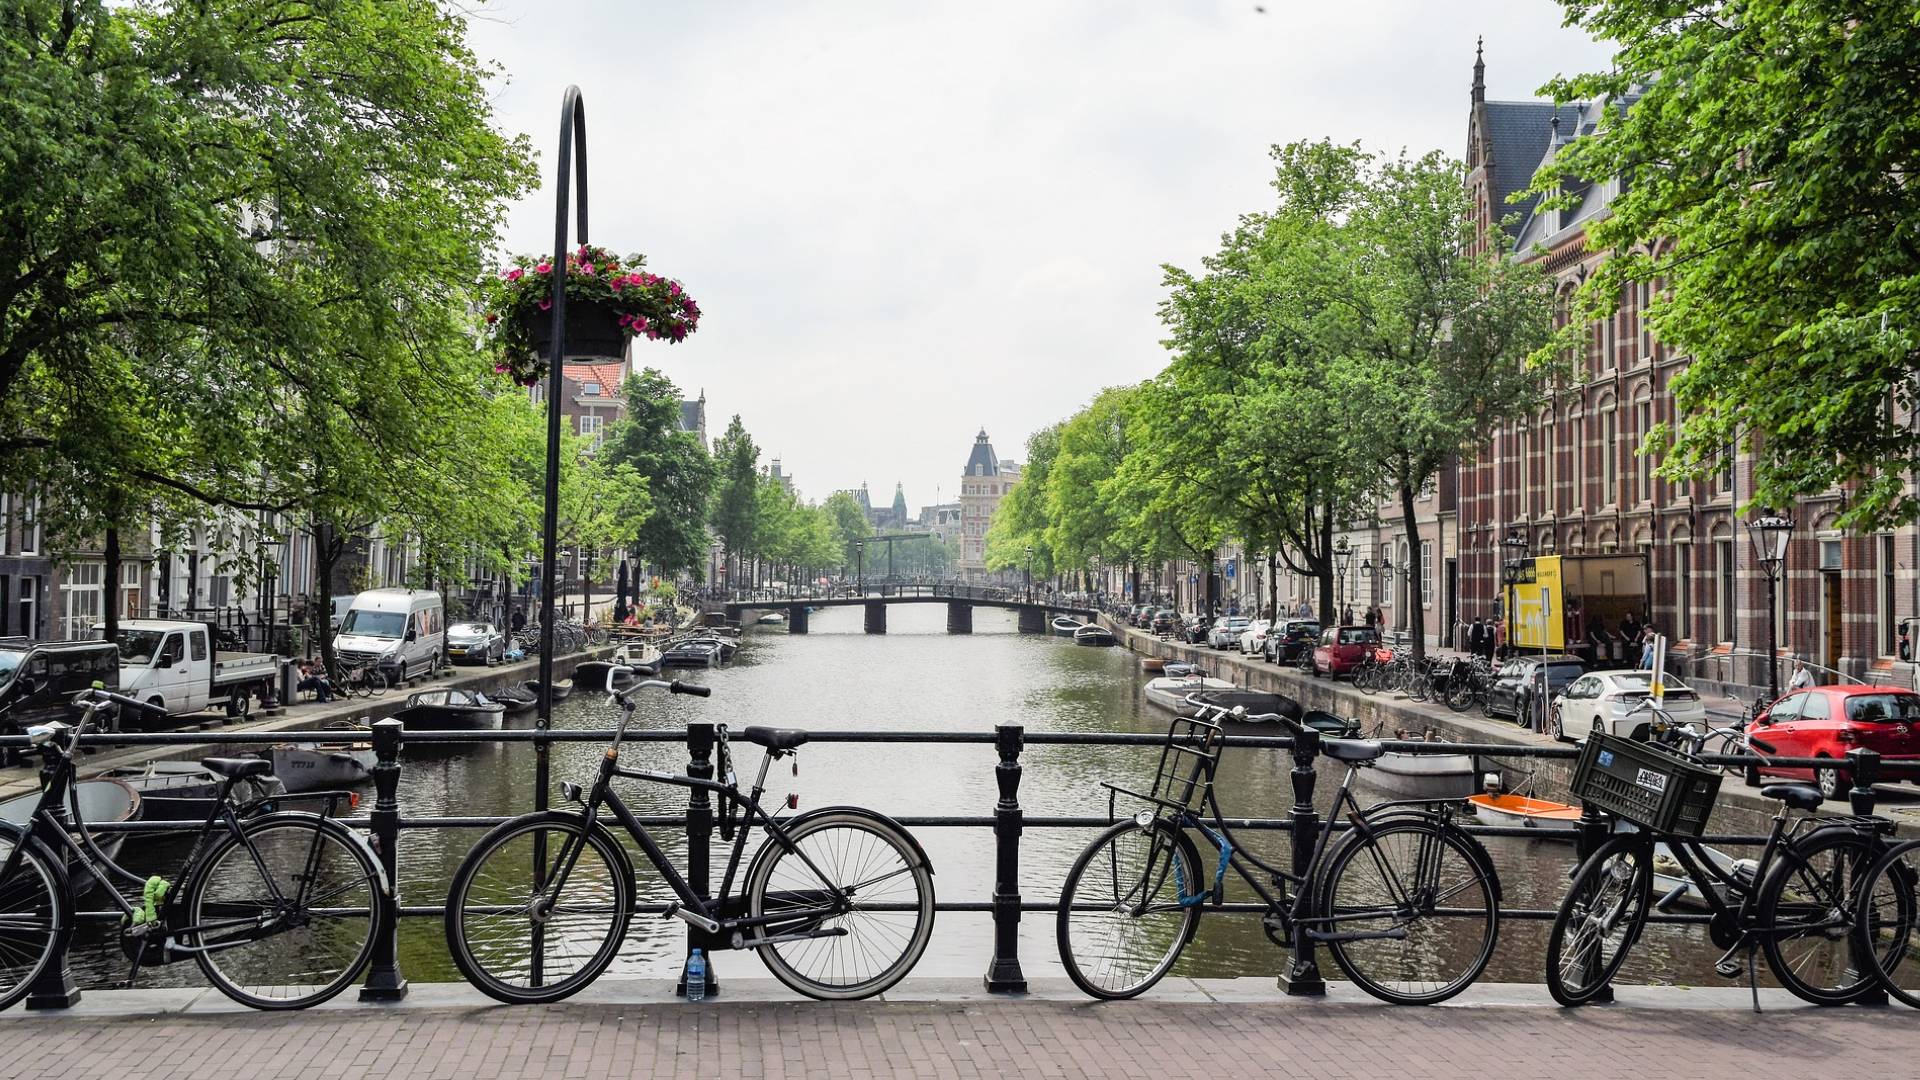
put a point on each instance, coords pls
(172, 665)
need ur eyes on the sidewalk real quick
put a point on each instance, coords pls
(935, 1028)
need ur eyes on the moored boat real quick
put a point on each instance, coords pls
(185, 790)
(1180, 669)
(561, 688)
(1670, 879)
(1097, 636)
(1153, 664)
(594, 673)
(516, 699)
(1257, 703)
(102, 802)
(1170, 692)
(451, 709)
(325, 766)
(1066, 625)
(1522, 812)
(1424, 776)
(771, 618)
(692, 652)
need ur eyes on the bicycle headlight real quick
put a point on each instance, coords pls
(1143, 819)
(570, 791)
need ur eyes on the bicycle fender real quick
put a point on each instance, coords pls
(853, 811)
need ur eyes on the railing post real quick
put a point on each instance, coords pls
(1302, 977)
(1003, 971)
(700, 740)
(384, 979)
(1864, 763)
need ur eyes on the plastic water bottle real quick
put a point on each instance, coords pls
(696, 976)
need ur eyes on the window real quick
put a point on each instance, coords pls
(199, 640)
(590, 389)
(30, 525)
(129, 590)
(1683, 588)
(1523, 452)
(1816, 708)
(80, 599)
(1426, 573)
(29, 607)
(590, 430)
(1610, 457)
(1578, 423)
(1888, 628)
(1646, 329)
(1550, 506)
(1830, 557)
(1642, 462)
(1723, 551)
(6, 529)
(1723, 481)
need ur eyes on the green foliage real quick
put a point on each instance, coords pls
(1017, 535)
(849, 524)
(679, 473)
(1770, 158)
(736, 502)
(519, 297)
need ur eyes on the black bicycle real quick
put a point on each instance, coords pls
(279, 909)
(1407, 902)
(838, 901)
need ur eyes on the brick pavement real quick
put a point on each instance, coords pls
(1032, 1038)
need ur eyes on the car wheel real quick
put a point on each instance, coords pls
(1556, 725)
(1833, 783)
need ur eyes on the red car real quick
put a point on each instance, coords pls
(1342, 648)
(1828, 721)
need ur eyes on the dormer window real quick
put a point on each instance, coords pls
(590, 390)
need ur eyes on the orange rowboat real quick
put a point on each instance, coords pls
(1519, 811)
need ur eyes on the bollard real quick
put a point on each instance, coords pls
(700, 739)
(1003, 972)
(384, 979)
(1864, 764)
(1302, 977)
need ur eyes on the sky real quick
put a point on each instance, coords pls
(906, 222)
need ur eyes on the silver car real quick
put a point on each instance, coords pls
(476, 643)
(1606, 700)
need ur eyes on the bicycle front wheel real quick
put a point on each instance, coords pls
(1888, 922)
(525, 943)
(33, 913)
(1599, 920)
(1426, 902)
(1805, 911)
(888, 889)
(1128, 908)
(286, 912)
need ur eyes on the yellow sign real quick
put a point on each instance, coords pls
(1539, 613)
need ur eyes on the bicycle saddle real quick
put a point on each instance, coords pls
(237, 768)
(1798, 796)
(1352, 751)
(774, 738)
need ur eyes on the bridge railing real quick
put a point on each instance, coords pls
(1006, 819)
(880, 589)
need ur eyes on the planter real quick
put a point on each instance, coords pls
(593, 332)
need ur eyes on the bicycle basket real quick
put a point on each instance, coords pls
(1646, 784)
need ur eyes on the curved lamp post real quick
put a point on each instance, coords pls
(1342, 558)
(1770, 533)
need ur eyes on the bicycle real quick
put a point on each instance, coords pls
(362, 680)
(279, 908)
(1795, 903)
(1887, 927)
(1402, 893)
(539, 907)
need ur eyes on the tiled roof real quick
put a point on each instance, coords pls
(604, 376)
(982, 455)
(1518, 134)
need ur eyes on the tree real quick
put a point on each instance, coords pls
(1769, 150)
(678, 470)
(735, 495)
(850, 525)
(1017, 535)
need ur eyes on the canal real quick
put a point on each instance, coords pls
(914, 678)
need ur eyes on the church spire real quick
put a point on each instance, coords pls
(1479, 70)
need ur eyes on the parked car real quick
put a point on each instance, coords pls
(476, 643)
(402, 631)
(167, 664)
(1194, 629)
(1166, 622)
(1254, 638)
(1342, 648)
(39, 679)
(1828, 721)
(1292, 641)
(1510, 696)
(1226, 630)
(1603, 700)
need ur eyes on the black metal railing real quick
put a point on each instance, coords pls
(1005, 902)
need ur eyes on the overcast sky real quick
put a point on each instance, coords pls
(906, 221)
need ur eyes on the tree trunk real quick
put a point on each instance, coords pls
(1273, 585)
(1324, 567)
(110, 591)
(326, 553)
(1416, 616)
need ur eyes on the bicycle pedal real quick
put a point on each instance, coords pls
(1729, 969)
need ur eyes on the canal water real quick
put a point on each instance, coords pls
(914, 678)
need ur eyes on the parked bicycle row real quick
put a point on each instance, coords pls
(282, 907)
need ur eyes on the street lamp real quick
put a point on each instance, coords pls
(1342, 558)
(1515, 545)
(1770, 534)
(1029, 573)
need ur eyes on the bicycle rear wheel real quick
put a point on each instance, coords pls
(287, 915)
(34, 907)
(1888, 923)
(1806, 911)
(1599, 920)
(1121, 923)
(1413, 878)
(525, 945)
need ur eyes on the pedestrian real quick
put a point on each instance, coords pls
(1346, 615)
(519, 620)
(1802, 678)
(1647, 637)
(1477, 636)
(1906, 642)
(313, 678)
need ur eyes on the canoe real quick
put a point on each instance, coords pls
(101, 802)
(1340, 727)
(325, 766)
(1521, 812)
(1424, 776)
(1170, 692)
(1097, 636)
(1255, 702)
(1066, 625)
(185, 790)
(451, 709)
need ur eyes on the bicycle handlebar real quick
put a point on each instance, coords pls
(673, 686)
(107, 697)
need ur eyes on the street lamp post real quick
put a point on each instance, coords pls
(1029, 573)
(1770, 534)
(1515, 545)
(1342, 558)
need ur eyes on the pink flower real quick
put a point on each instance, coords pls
(544, 268)
(583, 251)
(673, 288)
(516, 274)
(617, 284)
(586, 268)
(626, 321)
(546, 303)
(641, 325)
(500, 369)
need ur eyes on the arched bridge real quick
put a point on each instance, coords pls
(1034, 610)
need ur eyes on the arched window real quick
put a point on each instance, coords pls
(1577, 427)
(1609, 453)
(1681, 543)
(1550, 501)
(1726, 602)
(1642, 461)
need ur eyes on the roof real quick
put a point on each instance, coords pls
(691, 414)
(1518, 133)
(983, 461)
(604, 376)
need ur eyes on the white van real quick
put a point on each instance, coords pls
(403, 631)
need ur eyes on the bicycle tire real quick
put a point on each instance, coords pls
(879, 851)
(1183, 867)
(35, 911)
(1459, 693)
(611, 882)
(252, 975)
(1420, 912)
(1808, 933)
(1609, 898)
(1888, 920)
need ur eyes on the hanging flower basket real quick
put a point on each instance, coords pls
(609, 301)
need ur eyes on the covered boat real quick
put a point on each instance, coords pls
(1522, 812)
(185, 790)
(1066, 625)
(1437, 776)
(771, 618)
(1179, 669)
(1170, 692)
(516, 699)
(451, 709)
(1257, 703)
(102, 802)
(693, 652)
(325, 766)
(1098, 636)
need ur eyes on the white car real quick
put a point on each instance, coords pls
(1603, 699)
(1255, 639)
(1226, 632)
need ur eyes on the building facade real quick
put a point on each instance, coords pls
(983, 483)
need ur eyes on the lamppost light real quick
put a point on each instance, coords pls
(1770, 533)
